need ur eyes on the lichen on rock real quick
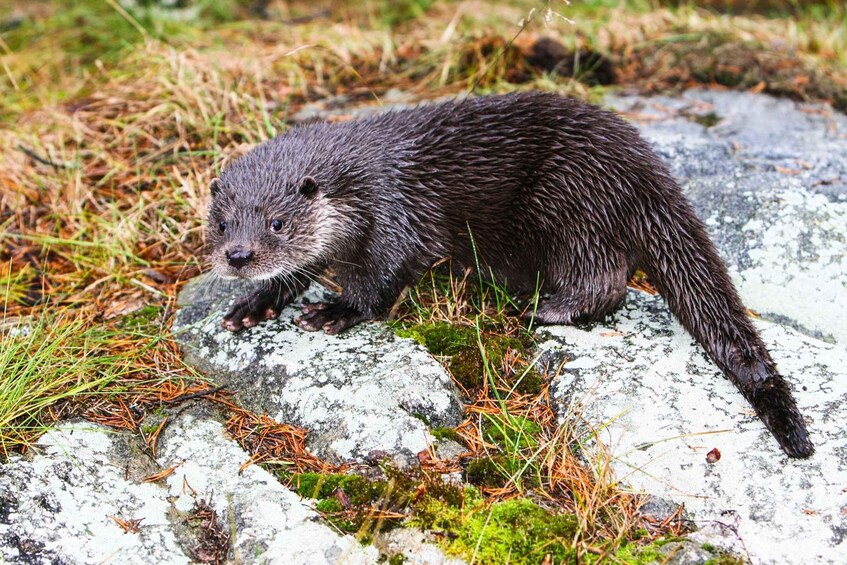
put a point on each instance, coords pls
(662, 405)
(365, 390)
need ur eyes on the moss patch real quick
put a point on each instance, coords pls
(467, 363)
(345, 500)
(358, 490)
(707, 120)
(351, 502)
(142, 319)
(441, 338)
(487, 471)
(513, 531)
(445, 433)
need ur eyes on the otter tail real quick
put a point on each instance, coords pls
(684, 264)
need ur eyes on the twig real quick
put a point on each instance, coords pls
(43, 160)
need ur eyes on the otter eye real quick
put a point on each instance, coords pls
(222, 227)
(276, 225)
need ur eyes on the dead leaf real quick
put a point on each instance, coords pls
(713, 456)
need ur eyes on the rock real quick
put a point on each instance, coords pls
(770, 181)
(270, 523)
(362, 391)
(662, 405)
(414, 546)
(58, 504)
(657, 510)
(685, 553)
(449, 449)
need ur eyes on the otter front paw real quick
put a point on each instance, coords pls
(332, 317)
(258, 306)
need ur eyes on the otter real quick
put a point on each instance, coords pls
(545, 193)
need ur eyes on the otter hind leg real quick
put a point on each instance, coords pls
(587, 300)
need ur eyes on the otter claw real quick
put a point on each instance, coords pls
(331, 318)
(254, 308)
(231, 325)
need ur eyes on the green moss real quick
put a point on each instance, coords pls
(397, 559)
(359, 490)
(445, 433)
(422, 418)
(496, 347)
(457, 342)
(328, 505)
(639, 533)
(638, 554)
(530, 383)
(361, 496)
(441, 338)
(486, 472)
(462, 345)
(148, 429)
(514, 531)
(432, 513)
(398, 493)
(706, 120)
(466, 368)
(141, 319)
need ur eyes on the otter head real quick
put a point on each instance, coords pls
(263, 225)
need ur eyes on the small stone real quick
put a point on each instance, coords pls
(684, 553)
(415, 547)
(448, 449)
(376, 457)
(658, 509)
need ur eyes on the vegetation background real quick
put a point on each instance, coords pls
(115, 115)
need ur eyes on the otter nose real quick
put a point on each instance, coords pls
(238, 257)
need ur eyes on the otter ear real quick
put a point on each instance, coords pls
(308, 186)
(216, 186)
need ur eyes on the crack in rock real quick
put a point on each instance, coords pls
(270, 523)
